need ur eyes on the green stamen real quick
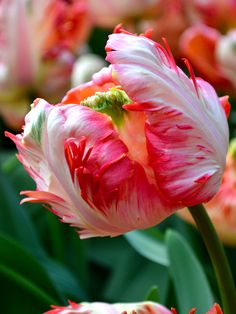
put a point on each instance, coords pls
(110, 102)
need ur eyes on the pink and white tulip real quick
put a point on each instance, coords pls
(125, 308)
(129, 148)
(105, 308)
(38, 41)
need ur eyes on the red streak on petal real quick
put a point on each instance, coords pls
(171, 57)
(105, 168)
(204, 178)
(184, 126)
(192, 75)
(139, 107)
(74, 154)
(173, 310)
(162, 49)
(200, 157)
(192, 311)
(215, 310)
(120, 30)
(148, 33)
(225, 104)
(203, 148)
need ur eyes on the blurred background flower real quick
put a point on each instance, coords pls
(222, 208)
(39, 41)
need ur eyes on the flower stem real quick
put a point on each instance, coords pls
(218, 258)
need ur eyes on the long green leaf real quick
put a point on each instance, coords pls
(16, 223)
(13, 218)
(149, 244)
(190, 282)
(25, 271)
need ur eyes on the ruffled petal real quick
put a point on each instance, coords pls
(186, 128)
(105, 308)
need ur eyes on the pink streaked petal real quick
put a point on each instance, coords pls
(103, 77)
(136, 204)
(107, 179)
(215, 310)
(116, 308)
(212, 107)
(41, 196)
(101, 200)
(181, 166)
(225, 104)
(180, 115)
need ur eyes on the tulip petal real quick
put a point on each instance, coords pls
(186, 128)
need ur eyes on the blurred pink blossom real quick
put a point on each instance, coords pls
(213, 55)
(220, 14)
(108, 13)
(226, 56)
(38, 41)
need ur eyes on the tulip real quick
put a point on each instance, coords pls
(220, 14)
(127, 149)
(222, 207)
(39, 40)
(103, 308)
(226, 55)
(125, 308)
(199, 44)
(118, 308)
(108, 13)
(169, 19)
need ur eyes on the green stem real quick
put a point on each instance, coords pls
(218, 258)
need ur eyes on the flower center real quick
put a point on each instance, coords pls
(110, 102)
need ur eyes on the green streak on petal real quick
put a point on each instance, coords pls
(110, 102)
(37, 128)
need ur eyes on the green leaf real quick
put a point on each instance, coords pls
(190, 282)
(14, 220)
(132, 277)
(25, 274)
(16, 223)
(153, 295)
(149, 243)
